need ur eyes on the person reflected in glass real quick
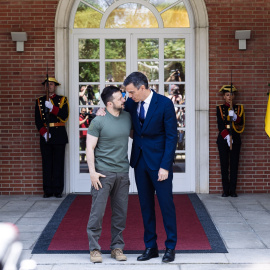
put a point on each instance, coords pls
(84, 122)
(82, 96)
(90, 94)
(175, 76)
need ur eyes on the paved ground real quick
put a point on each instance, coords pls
(243, 223)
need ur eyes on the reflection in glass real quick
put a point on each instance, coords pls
(89, 71)
(89, 95)
(176, 16)
(154, 87)
(162, 4)
(174, 48)
(131, 15)
(181, 141)
(87, 17)
(175, 92)
(148, 48)
(179, 165)
(149, 69)
(180, 113)
(88, 48)
(100, 4)
(83, 164)
(174, 71)
(115, 49)
(115, 71)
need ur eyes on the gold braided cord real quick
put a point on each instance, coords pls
(242, 113)
(63, 101)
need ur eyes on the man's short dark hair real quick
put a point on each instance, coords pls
(137, 78)
(107, 93)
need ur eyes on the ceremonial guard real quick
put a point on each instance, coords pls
(51, 114)
(231, 123)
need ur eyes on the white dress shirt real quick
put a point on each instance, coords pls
(145, 105)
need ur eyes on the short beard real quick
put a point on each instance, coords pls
(117, 109)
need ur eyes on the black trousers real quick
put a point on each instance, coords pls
(229, 160)
(53, 158)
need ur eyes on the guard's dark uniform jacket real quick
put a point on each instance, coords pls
(53, 151)
(228, 156)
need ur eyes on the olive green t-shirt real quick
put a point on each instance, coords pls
(112, 146)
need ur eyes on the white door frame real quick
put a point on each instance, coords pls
(201, 58)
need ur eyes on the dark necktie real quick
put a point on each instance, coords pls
(141, 114)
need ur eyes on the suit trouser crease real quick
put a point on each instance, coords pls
(53, 159)
(229, 159)
(147, 184)
(115, 185)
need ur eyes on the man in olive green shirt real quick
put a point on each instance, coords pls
(107, 158)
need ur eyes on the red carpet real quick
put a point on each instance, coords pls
(70, 234)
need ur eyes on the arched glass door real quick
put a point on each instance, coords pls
(109, 41)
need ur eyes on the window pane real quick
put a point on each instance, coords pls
(155, 87)
(131, 15)
(148, 48)
(162, 4)
(89, 94)
(88, 48)
(85, 117)
(176, 16)
(87, 17)
(83, 164)
(89, 71)
(100, 4)
(180, 116)
(115, 71)
(174, 48)
(150, 69)
(176, 92)
(174, 71)
(179, 165)
(115, 49)
(181, 140)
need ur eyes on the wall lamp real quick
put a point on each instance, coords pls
(242, 35)
(19, 37)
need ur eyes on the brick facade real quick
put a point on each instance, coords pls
(251, 75)
(22, 74)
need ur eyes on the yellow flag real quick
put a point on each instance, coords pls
(267, 118)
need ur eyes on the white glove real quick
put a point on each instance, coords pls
(49, 105)
(233, 115)
(228, 140)
(45, 135)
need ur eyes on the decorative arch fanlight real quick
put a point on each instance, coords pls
(173, 14)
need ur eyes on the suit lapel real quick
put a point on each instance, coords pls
(151, 110)
(135, 116)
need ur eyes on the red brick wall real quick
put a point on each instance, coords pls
(251, 75)
(21, 77)
(23, 72)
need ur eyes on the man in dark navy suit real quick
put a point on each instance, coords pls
(153, 150)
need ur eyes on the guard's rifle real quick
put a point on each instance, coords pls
(47, 111)
(231, 108)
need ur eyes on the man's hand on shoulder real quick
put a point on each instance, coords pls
(95, 180)
(162, 174)
(101, 112)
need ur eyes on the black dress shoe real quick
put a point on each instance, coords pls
(225, 194)
(58, 195)
(234, 195)
(47, 195)
(169, 255)
(148, 254)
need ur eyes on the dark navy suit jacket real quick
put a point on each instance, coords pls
(157, 137)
